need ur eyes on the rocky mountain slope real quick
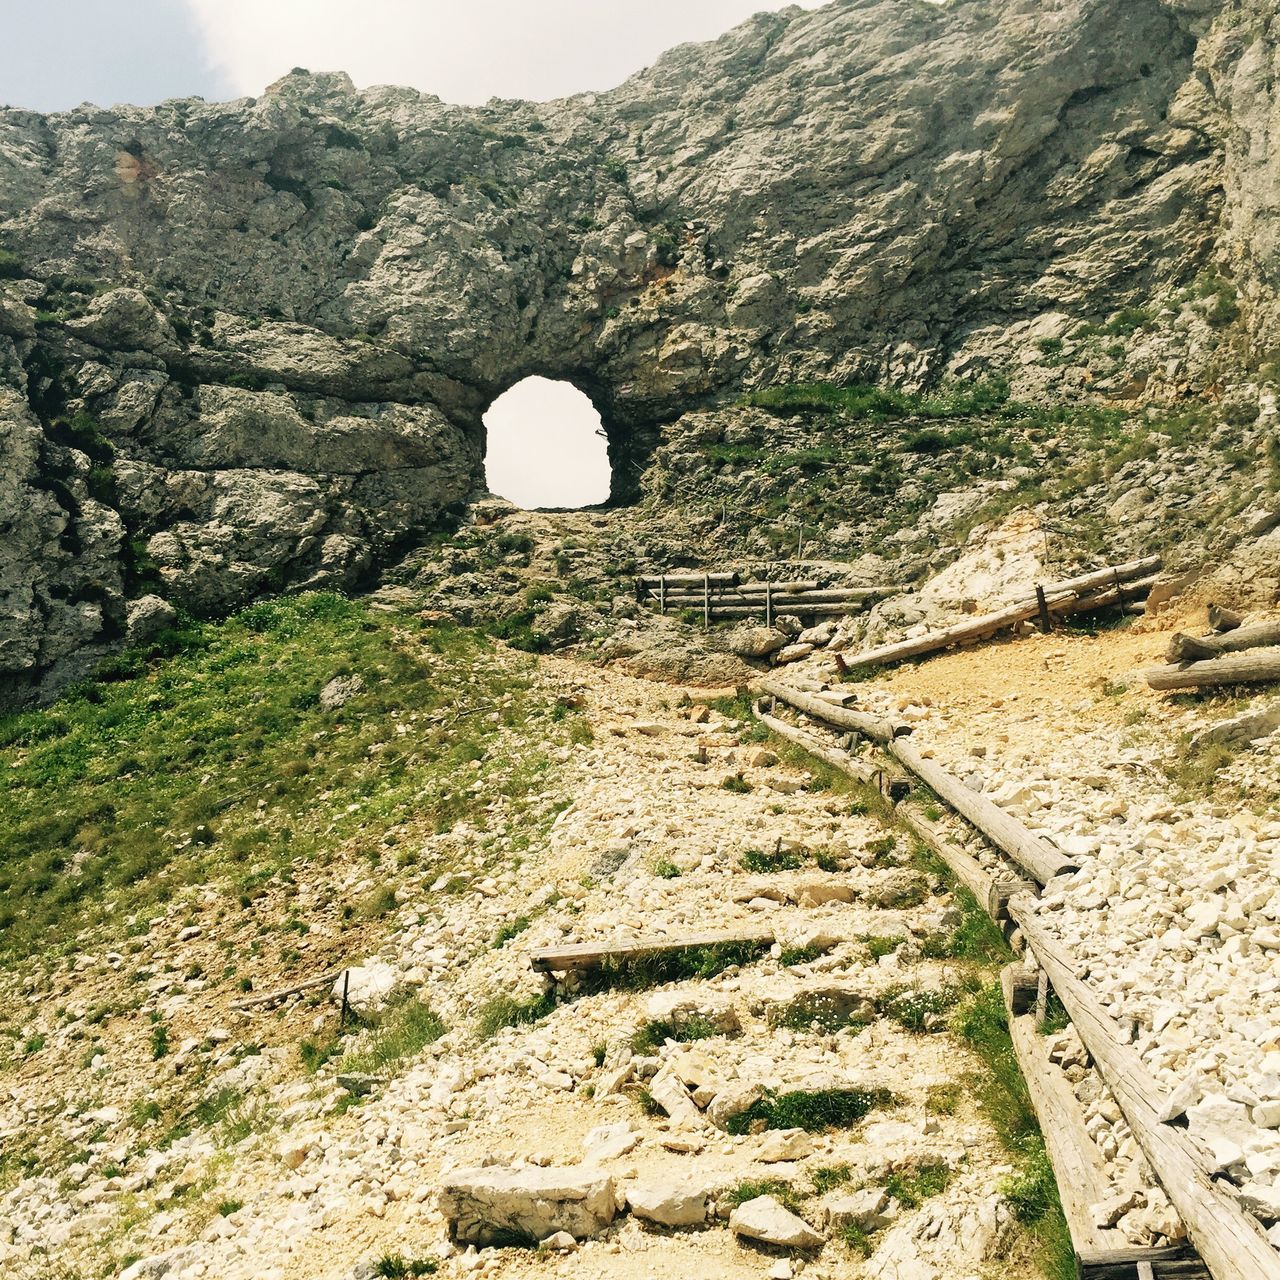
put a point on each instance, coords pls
(247, 346)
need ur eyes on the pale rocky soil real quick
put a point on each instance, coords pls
(1174, 916)
(325, 1193)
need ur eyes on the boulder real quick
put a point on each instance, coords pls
(339, 691)
(673, 1097)
(124, 319)
(755, 642)
(868, 1209)
(778, 1146)
(608, 1141)
(815, 892)
(147, 617)
(496, 1205)
(369, 986)
(792, 653)
(732, 1100)
(679, 1204)
(765, 1219)
(680, 1008)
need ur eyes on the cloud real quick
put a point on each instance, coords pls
(464, 53)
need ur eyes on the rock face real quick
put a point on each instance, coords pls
(247, 346)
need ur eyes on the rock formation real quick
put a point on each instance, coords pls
(247, 346)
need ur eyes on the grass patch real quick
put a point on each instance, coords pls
(975, 938)
(917, 1011)
(1194, 769)
(640, 972)
(881, 946)
(653, 1035)
(512, 929)
(404, 1030)
(811, 1110)
(506, 1011)
(128, 791)
(395, 1266)
(912, 1188)
(1002, 1094)
(762, 863)
(783, 1192)
(863, 400)
(828, 1177)
(665, 870)
(798, 955)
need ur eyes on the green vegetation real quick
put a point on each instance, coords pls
(1194, 769)
(1002, 1093)
(640, 972)
(783, 1192)
(132, 788)
(798, 955)
(512, 929)
(911, 1188)
(881, 946)
(975, 938)
(862, 400)
(779, 860)
(828, 1177)
(812, 1110)
(159, 1040)
(666, 870)
(395, 1266)
(653, 1035)
(403, 1030)
(506, 1011)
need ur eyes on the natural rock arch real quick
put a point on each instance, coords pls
(546, 447)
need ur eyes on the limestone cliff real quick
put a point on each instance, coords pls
(248, 345)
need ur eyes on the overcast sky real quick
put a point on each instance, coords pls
(57, 54)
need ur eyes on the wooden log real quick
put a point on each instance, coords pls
(1035, 856)
(868, 726)
(1185, 648)
(978, 628)
(652, 581)
(1230, 1241)
(1077, 1163)
(1092, 600)
(802, 611)
(988, 624)
(1223, 619)
(1102, 1253)
(888, 782)
(1258, 666)
(732, 595)
(991, 891)
(587, 955)
(274, 997)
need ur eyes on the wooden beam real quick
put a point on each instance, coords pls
(868, 726)
(1230, 1241)
(588, 955)
(1224, 619)
(1092, 588)
(1185, 648)
(274, 997)
(1035, 856)
(838, 759)
(1260, 666)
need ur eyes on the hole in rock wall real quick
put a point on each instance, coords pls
(546, 447)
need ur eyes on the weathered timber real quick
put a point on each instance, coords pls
(991, 891)
(889, 782)
(1223, 619)
(1077, 1162)
(669, 580)
(1177, 1262)
(1185, 648)
(1102, 1253)
(1090, 588)
(740, 596)
(776, 609)
(274, 997)
(1091, 600)
(1035, 856)
(588, 955)
(1257, 666)
(868, 726)
(1229, 1241)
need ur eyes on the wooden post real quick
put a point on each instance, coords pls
(768, 604)
(1046, 621)
(706, 602)
(662, 594)
(346, 983)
